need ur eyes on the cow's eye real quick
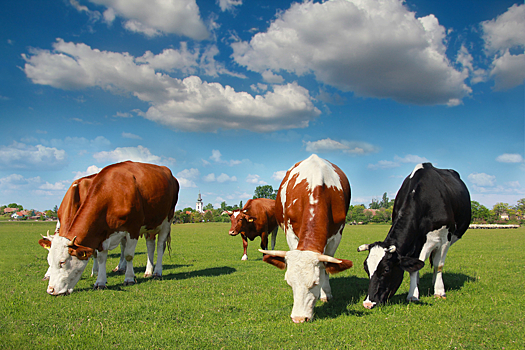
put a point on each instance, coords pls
(61, 263)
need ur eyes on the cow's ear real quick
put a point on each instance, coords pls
(410, 264)
(276, 261)
(45, 243)
(333, 268)
(82, 253)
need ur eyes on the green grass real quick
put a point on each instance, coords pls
(210, 299)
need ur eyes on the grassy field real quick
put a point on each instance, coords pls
(210, 299)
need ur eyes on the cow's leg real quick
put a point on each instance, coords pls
(150, 244)
(331, 247)
(163, 236)
(129, 253)
(245, 247)
(274, 237)
(439, 262)
(264, 239)
(413, 293)
(121, 267)
(101, 281)
(94, 269)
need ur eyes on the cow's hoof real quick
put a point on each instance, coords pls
(156, 276)
(46, 278)
(99, 287)
(118, 272)
(438, 296)
(147, 275)
(413, 300)
(244, 257)
(129, 283)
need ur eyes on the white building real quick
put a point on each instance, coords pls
(199, 206)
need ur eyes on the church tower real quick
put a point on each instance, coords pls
(199, 206)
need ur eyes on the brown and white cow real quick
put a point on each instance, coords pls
(69, 206)
(256, 219)
(311, 208)
(125, 200)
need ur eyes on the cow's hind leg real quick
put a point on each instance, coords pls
(121, 267)
(413, 292)
(274, 237)
(437, 279)
(163, 237)
(129, 254)
(150, 244)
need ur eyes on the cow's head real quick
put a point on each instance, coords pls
(66, 260)
(240, 221)
(303, 269)
(385, 268)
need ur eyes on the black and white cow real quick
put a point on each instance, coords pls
(431, 212)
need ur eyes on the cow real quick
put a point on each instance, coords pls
(431, 212)
(311, 208)
(125, 200)
(255, 219)
(73, 198)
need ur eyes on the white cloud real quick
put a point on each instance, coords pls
(189, 104)
(216, 156)
(186, 177)
(384, 164)
(502, 34)
(228, 5)
(128, 135)
(136, 154)
(350, 147)
(482, 179)
(209, 178)
(92, 169)
(155, 17)
(226, 178)
(388, 164)
(510, 158)
(375, 48)
(25, 157)
(255, 179)
(410, 158)
(279, 175)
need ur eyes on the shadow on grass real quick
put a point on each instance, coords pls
(351, 290)
(345, 291)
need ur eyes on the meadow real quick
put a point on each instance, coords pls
(209, 299)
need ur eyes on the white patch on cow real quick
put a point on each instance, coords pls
(236, 213)
(291, 237)
(368, 303)
(113, 240)
(317, 172)
(375, 256)
(419, 166)
(303, 275)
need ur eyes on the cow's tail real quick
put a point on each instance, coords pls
(168, 244)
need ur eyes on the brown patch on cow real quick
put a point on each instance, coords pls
(333, 268)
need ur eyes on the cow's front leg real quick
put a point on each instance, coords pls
(121, 267)
(129, 253)
(101, 281)
(245, 247)
(413, 293)
(326, 291)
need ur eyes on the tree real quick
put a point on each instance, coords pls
(265, 191)
(500, 208)
(208, 216)
(209, 206)
(479, 212)
(385, 202)
(19, 207)
(374, 205)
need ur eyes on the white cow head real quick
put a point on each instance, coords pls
(303, 274)
(66, 262)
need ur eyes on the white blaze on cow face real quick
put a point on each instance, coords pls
(64, 270)
(377, 253)
(303, 275)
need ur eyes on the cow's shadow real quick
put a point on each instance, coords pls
(352, 290)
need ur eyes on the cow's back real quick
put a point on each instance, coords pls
(312, 202)
(264, 210)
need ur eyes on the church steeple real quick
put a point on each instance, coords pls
(199, 205)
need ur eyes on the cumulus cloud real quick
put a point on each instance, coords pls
(136, 154)
(255, 179)
(510, 158)
(226, 178)
(228, 5)
(92, 169)
(156, 17)
(350, 147)
(279, 175)
(189, 104)
(26, 157)
(375, 49)
(129, 135)
(388, 164)
(482, 179)
(216, 156)
(187, 177)
(504, 39)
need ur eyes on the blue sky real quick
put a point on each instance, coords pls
(230, 94)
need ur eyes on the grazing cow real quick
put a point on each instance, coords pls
(124, 200)
(256, 219)
(431, 212)
(73, 198)
(311, 208)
